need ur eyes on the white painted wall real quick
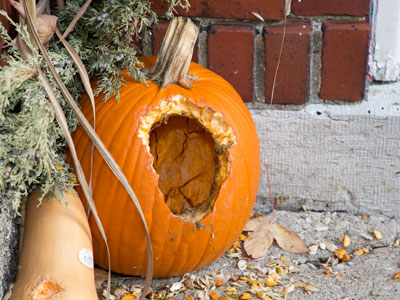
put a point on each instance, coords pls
(385, 44)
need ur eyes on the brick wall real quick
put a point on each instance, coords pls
(324, 56)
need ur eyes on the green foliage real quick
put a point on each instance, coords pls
(32, 147)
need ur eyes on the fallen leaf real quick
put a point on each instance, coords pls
(288, 240)
(255, 221)
(258, 243)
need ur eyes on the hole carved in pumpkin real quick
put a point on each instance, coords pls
(191, 156)
(186, 161)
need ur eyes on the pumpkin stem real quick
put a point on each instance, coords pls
(175, 54)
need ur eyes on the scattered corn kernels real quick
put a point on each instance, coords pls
(190, 298)
(250, 267)
(246, 296)
(328, 272)
(396, 276)
(219, 282)
(346, 241)
(129, 297)
(361, 251)
(243, 237)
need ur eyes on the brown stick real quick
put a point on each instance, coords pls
(175, 54)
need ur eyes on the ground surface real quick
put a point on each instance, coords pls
(364, 276)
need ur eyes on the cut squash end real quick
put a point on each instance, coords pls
(43, 289)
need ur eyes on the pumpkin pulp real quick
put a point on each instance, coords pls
(185, 159)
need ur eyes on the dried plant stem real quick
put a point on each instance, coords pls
(32, 9)
(280, 53)
(270, 191)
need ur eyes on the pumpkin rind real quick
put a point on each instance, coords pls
(178, 246)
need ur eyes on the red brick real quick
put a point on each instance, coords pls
(230, 54)
(238, 9)
(292, 82)
(158, 34)
(344, 60)
(331, 7)
(6, 6)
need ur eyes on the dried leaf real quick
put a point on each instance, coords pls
(46, 26)
(288, 240)
(258, 244)
(255, 221)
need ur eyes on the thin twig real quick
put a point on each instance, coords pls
(270, 191)
(280, 53)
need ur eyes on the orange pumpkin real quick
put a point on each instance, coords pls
(192, 158)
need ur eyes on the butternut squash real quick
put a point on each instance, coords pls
(56, 260)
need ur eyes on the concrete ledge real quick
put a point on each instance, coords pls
(334, 157)
(8, 247)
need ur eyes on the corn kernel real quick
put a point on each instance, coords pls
(270, 282)
(246, 296)
(378, 235)
(346, 241)
(214, 295)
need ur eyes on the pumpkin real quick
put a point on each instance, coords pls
(189, 148)
(56, 260)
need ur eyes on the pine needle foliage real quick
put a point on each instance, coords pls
(32, 147)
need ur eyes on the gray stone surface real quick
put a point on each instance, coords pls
(366, 276)
(8, 247)
(334, 157)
